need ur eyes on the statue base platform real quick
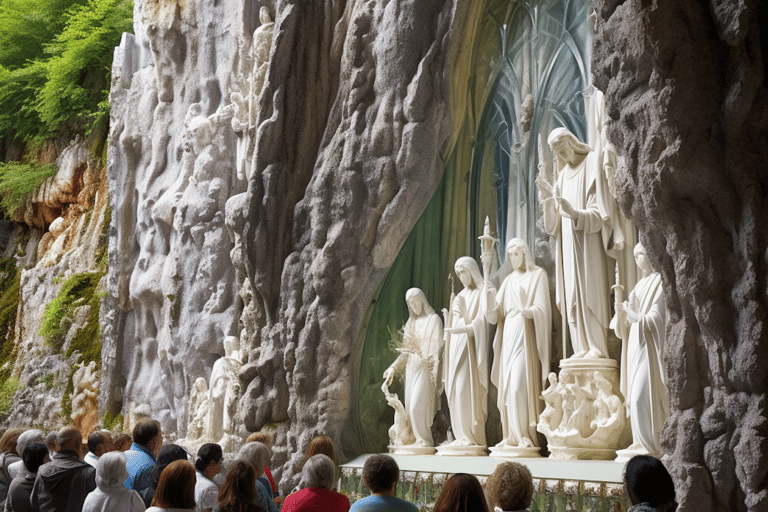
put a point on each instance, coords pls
(457, 450)
(627, 453)
(412, 450)
(516, 452)
(567, 453)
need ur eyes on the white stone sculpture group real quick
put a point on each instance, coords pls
(596, 405)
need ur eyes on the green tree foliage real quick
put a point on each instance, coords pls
(55, 60)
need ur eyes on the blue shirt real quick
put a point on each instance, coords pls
(139, 466)
(380, 503)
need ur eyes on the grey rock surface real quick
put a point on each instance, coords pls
(685, 89)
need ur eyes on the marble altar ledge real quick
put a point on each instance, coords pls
(582, 470)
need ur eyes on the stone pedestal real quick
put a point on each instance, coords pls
(454, 450)
(412, 450)
(515, 452)
(589, 411)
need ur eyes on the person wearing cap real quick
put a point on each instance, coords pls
(29, 437)
(62, 484)
(147, 440)
(111, 495)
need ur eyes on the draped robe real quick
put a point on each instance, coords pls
(521, 351)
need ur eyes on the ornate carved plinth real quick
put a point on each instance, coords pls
(412, 450)
(585, 416)
(454, 450)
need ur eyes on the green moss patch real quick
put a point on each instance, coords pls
(10, 279)
(18, 181)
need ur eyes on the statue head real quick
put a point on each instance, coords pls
(567, 147)
(200, 385)
(200, 132)
(264, 15)
(519, 255)
(417, 303)
(602, 383)
(467, 270)
(641, 258)
(552, 379)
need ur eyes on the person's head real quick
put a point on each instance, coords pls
(239, 487)
(641, 259)
(209, 458)
(321, 445)
(461, 493)
(35, 455)
(380, 474)
(231, 345)
(148, 434)
(167, 454)
(70, 439)
(262, 437)
(50, 441)
(647, 480)
(566, 147)
(519, 255)
(510, 487)
(111, 470)
(318, 471)
(264, 16)
(417, 303)
(468, 272)
(9, 440)
(99, 443)
(176, 488)
(258, 454)
(122, 443)
(27, 438)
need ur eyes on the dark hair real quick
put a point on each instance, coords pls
(238, 492)
(94, 440)
(380, 472)
(121, 441)
(321, 445)
(209, 452)
(167, 454)
(34, 455)
(461, 493)
(648, 481)
(176, 488)
(145, 431)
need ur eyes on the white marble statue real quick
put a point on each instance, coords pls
(466, 359)
(198, 410)
(420, 354)
(246, 108)
(641, 322)
(224, 384)
(574, 211)
(521, 350)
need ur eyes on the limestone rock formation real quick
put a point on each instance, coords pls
(685, 89)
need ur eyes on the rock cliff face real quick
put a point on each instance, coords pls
(346, 132)
(685, 90)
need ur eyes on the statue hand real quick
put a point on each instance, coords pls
(527, 313)
(456, 330)
(567, 209)
(389, 374)
(632, 315)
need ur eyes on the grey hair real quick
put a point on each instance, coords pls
(318, 471)
(27, 438)
(256, 453)
(111, 470)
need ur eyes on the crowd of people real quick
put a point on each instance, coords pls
(58, 473)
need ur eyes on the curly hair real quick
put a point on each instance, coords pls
(510, 487)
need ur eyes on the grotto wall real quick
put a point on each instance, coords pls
(286, 251)
(685, 92)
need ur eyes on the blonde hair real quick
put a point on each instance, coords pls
(510, 487)
(261, 437)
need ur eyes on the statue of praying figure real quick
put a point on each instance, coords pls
(521, 347)
(223, 378)
(420, 354)
(574, 211)
(641, 321)
(466, 357)
(198, 410)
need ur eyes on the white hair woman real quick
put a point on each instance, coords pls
(317, 479)
(259, 455)
(110, 494)
(28, 438)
